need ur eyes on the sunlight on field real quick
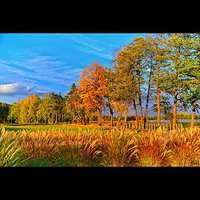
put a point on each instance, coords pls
(45, 127)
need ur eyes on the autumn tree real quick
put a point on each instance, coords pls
(158, 54)
(123, 79)
(138, 53)
(44, 109)
(121, 94)
(149, 70)
(93, 88)
(34, 102)
(28, 109)
(74, 105)
(129, 63)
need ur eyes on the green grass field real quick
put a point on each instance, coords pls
(63, 127)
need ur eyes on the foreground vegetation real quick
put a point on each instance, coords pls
(98, 147)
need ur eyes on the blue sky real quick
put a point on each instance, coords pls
(43, 63)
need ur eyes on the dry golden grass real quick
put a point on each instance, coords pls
(185, 147)
(10, 150)
(152, 150)
(118, 148)
(95, 147)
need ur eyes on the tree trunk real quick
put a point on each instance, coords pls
(119, 119)
(148, 96)
(139, 92)
(175, 110)
(176, 94)
(111, 113)
(88, 120)
(158, 107)
(140, 108)
(111, 120)
(135, 113)
(194, 104)
(125, 118)
(62, 118)
(83, 121)
(56, 118)
(99, 118)
(158, 96)
(134, 109)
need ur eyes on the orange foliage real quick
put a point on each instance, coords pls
(93, 87)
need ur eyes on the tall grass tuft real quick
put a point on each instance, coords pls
(185, 147)
(118, 148)
(152, 150)
(10, 152)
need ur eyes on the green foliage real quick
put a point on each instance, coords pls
(4, 112)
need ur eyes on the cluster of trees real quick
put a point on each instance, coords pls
(33, 109)
(163, 69)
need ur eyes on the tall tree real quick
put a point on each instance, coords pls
(93, 88)
(160, 59)
(56, 105)
(191, 73)
(138, 52)
(43, 113)
(177, 44)
(129, 63)
(74, 105)
(120, 92)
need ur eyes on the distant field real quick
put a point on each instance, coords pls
(73, 127)
(63, 127)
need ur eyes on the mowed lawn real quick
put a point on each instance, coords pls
(63, 127)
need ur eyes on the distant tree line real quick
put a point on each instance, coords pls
(161, 68)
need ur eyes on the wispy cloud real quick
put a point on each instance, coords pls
(51, 70)
(91, 46)
(98, 54)
(28, 67)
(45, 73)
(86, 44)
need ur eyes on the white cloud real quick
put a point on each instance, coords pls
(15, 89)
(9, 88)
